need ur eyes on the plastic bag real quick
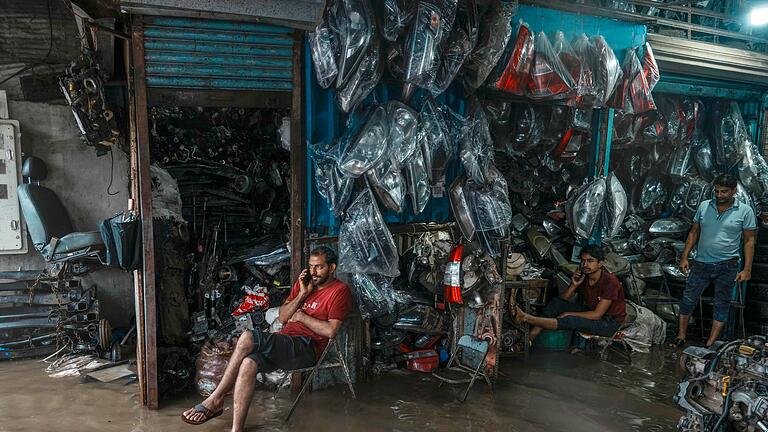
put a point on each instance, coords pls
(556, 127)
(403, 130)
(459, 46)
(625, 130)
(355, 22)
(616, 206)
(432, 25)
(333, 185)
(730, 134)
(362, 80)
(753, 171)
(393, 58)
(417, 178)
(549, 77)
(396, 16)
(653, 127)
(460, 206)
(690, 115)
(374, 294)
(365, 243)
(363, 149)
(681, 162)
(438, 144)
(274, 257)
(585, 207)
(494, 34)
(633, 95)
(388, 184)
(517, 73)
(570, 61)
(324, 44)
(702, 157)
(491, 209)
(477, 147)
(606, 70)
(210, 366)
(527, 128)
(650, 68)
(652, 193)
(586, 90)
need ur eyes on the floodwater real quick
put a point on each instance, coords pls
(547, 392)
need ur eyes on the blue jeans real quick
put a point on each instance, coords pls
(605, 326)
(722, 275)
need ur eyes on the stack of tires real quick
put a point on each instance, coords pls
(756, 314)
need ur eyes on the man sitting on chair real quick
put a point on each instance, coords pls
(312, 314)
(603, 311)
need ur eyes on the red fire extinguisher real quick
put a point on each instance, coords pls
(452, 276)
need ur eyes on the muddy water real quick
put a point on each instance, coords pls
(548, 392)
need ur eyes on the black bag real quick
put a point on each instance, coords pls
(122, 238)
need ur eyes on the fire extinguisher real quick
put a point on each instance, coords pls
(452, 276)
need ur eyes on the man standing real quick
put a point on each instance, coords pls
(312, 314)
(717, 231)
(603, 311)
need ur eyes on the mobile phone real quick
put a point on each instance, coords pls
(307, 277)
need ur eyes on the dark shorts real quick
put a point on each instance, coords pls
(274, 351)
(722, 275)
(605, 326)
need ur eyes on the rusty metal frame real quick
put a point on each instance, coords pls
(146, 308)
(298, 163)
(298, 174)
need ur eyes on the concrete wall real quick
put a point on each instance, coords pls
(80, 179)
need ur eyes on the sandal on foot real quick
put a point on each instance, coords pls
(208, 414)
(678, 343)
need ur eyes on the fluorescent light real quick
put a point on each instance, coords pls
(759, 16)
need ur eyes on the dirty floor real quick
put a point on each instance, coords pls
(548, 392)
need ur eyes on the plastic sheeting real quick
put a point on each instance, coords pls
(388, 183)
(438, 138)
(753, 171)
(374, 295)
(495, 32)
(332, 183)
(616, 206)
(323, 42)
(395, 16)
(550, 79)
(417, 177)
(459, 46)
(633, 95)
(355, 22)
(362, 81)
(516, 76)
(606, 71)
(365, 243)
(430, 28)
(730, 134)
(585, 206)
(477, 146)
(647, 329)
(366, 147)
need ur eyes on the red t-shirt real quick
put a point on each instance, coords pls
(608, 287)
(332, 302)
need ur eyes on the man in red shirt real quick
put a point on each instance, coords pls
(603, 311)
(312, 314)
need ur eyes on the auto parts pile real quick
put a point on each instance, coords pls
(725, 386)
(83, 86)
(221, 206)
(43, 315)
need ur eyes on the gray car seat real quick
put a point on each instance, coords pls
(48, 222)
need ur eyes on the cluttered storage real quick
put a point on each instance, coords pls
(462, 154)
(218, 115)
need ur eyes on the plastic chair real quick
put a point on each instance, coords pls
(332, 344)
(464, 373)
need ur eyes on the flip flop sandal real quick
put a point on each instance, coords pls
(200, 408)
(678, 343)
